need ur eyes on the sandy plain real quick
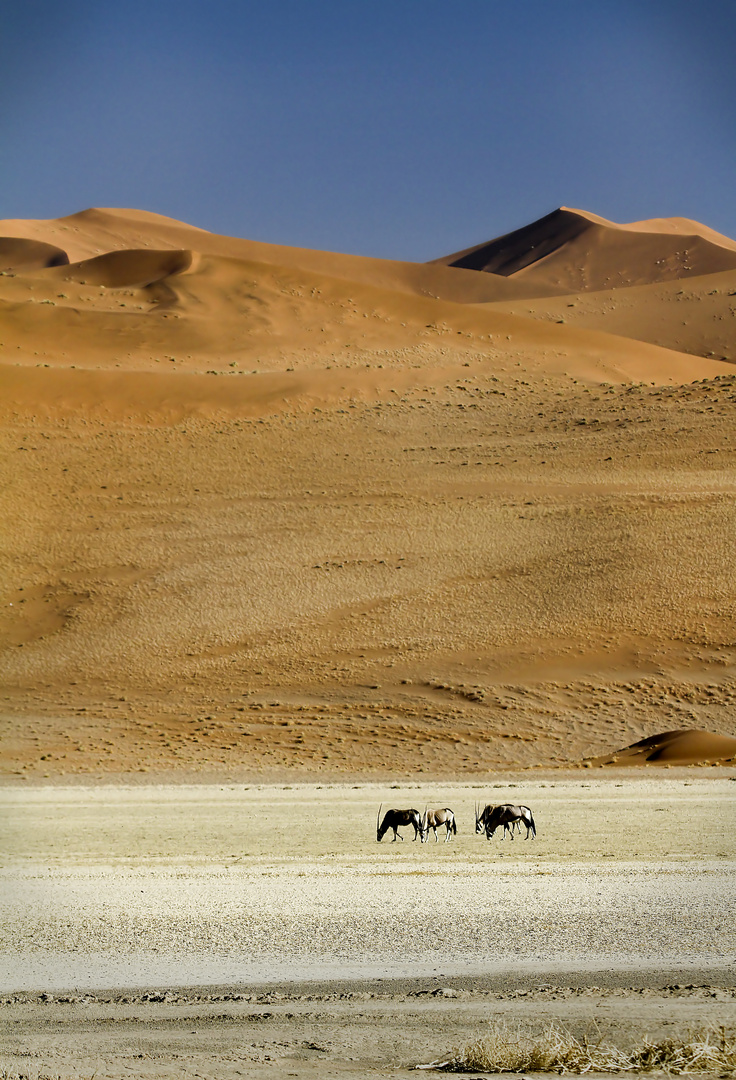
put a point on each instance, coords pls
(177, 931)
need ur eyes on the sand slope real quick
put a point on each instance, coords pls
(139, 308)
(17, 253)
(696, 315)
(93, 232)
(571, 250)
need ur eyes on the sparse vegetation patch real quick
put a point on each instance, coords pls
(556, 1050)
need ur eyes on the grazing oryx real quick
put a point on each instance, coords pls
(507, 815)
(480, 819)
(433, 818)
(392, 819)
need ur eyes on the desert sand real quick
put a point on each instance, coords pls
(308, 528)
(357, 518)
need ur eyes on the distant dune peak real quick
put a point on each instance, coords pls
(513, 251)
(103, 215)
(576, 250)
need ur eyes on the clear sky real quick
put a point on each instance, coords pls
(399, 128)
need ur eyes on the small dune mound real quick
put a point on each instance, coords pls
(17, 253)
(687, 746)
(579, 251)
(132, 268)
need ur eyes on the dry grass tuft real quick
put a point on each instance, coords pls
(555, 1050)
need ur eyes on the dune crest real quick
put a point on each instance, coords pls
(677, 225)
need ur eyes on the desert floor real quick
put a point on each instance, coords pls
(222, 930)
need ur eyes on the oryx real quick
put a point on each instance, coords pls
(432, 818)
(508, 815)
(393, 819)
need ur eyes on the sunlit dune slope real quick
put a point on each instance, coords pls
(685, 747)
(482, 572)
(144, 308)
(696, 315)
(571, 251)
(94, 232)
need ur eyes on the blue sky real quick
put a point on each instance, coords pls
(404, 129)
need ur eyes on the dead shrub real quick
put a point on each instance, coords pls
(556, 1050)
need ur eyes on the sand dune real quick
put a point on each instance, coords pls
(84, 392)
(129, 268)
(441, 581)
(367, 517)
(92, 232)
(694, 316)
(137, 309)
(572, 251)
(686, 747)
(17, 253)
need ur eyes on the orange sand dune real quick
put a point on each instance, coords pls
(94, 232)
(675, 225)
(138, 309)
(572, 251)
(293, 511)
(684, 747)
(130, 267)
(695, 315)
(17, 253)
